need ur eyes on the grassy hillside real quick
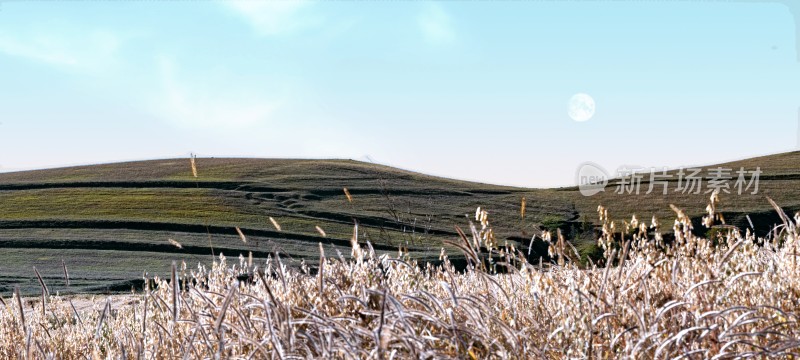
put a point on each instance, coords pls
(108, 222)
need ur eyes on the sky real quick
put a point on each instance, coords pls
(474, 90)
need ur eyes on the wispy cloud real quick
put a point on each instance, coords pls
(273, 17)
(92, 51)
(195, 106)
(435, 24)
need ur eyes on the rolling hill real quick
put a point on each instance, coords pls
(110, 222)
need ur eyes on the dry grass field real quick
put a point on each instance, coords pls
(729, 297)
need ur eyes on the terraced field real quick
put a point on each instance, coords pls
(108, 222)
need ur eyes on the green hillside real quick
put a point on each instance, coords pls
(109, 222)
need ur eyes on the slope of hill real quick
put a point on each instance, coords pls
(108, 222)
(779, 179)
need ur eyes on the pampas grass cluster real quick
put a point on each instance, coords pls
(737, 296)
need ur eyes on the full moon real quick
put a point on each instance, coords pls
(581, 107)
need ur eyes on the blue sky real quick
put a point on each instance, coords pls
(474, 90)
